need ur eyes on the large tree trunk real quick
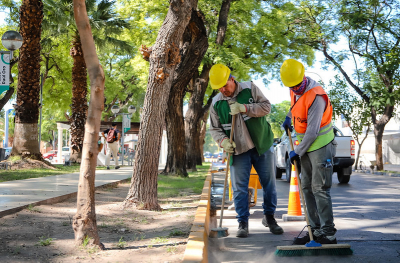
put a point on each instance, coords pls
(84, 222)
(193, 47)
(193, 115)
(79, 105)
(163, 60)
(196, 110)
(27, 108)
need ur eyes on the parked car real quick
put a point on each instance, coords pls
(65, 151)
(342, 162)
(50, 155)
(7, 152)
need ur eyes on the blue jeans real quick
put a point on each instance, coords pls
(240, 175)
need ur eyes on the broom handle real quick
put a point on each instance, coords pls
(227, 171)
(301, 190)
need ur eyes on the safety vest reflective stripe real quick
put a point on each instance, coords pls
(245, 117)
(322, 131)
(227, 127)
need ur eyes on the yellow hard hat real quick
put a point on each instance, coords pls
(292, 72)
(219, 75)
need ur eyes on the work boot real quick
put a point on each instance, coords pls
(269, 221)
(243, 229)
(108, 167)
(117, 167)
(303, 240)
(326, 239)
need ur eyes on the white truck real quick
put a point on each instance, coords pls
(342, 162)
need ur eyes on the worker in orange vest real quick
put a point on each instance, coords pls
(311, 112)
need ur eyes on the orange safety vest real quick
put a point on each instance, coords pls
(299, 111)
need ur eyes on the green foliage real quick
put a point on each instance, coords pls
(43, 241)
(210, 145)
(173, 186)
(277, 117)
(121, 243)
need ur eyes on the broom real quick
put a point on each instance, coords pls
(312, 248)
(223, 231)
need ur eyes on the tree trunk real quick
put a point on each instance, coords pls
(378, 132)
(193, 115)
(27, 108)
(163, 60)
(203, 130)
(196, 111)
(79, 105)
(193, 48)
(84, 222)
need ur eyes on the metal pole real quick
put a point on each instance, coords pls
(6, 128)
(122, 140)
(41, 100)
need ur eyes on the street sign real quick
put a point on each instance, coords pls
(126, 123)
(4, 71)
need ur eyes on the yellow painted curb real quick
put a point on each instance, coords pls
(196, 248)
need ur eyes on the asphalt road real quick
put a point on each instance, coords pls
(366, 214)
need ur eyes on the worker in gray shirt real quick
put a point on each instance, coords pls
(311, 112)
(252, 142)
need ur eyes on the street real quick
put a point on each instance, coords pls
(366, 214)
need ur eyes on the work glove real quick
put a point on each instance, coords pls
(237, 108)
(294, 157)
(228, 147)
(287, 124)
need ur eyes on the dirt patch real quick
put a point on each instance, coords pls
(27, 163)
(44, 233)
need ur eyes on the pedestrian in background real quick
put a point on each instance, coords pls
(311, 111)
(112, 139)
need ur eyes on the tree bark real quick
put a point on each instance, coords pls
(193, 47)
(196, 110)
(79, 105)
(163, 60)
(203, 130)
(27, 108)
(84, 222)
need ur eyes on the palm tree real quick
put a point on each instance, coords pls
(105, 24)
(27, 105)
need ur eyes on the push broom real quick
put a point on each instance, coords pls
(312, 248)
(223, 231)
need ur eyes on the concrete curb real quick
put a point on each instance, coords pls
(196, 248)
(56, 199)
(384, 173)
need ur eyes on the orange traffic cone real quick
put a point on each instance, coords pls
(294, 207)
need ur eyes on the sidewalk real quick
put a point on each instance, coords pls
(18, 194)
(355, 220)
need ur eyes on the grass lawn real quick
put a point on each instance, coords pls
(172, 186)
(10, 175)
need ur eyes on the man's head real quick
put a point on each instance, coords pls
(114, 125)
(292, 73)
(221, 79)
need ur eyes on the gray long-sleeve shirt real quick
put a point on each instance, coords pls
(314, 119)
(260, 107)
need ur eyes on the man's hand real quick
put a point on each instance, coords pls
(287, 124)
(294, 157)
(228, 147)
(237, 108)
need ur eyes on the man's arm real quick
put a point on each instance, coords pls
(119, 135)
(216, 130)
(103, 135)
(261, 105)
